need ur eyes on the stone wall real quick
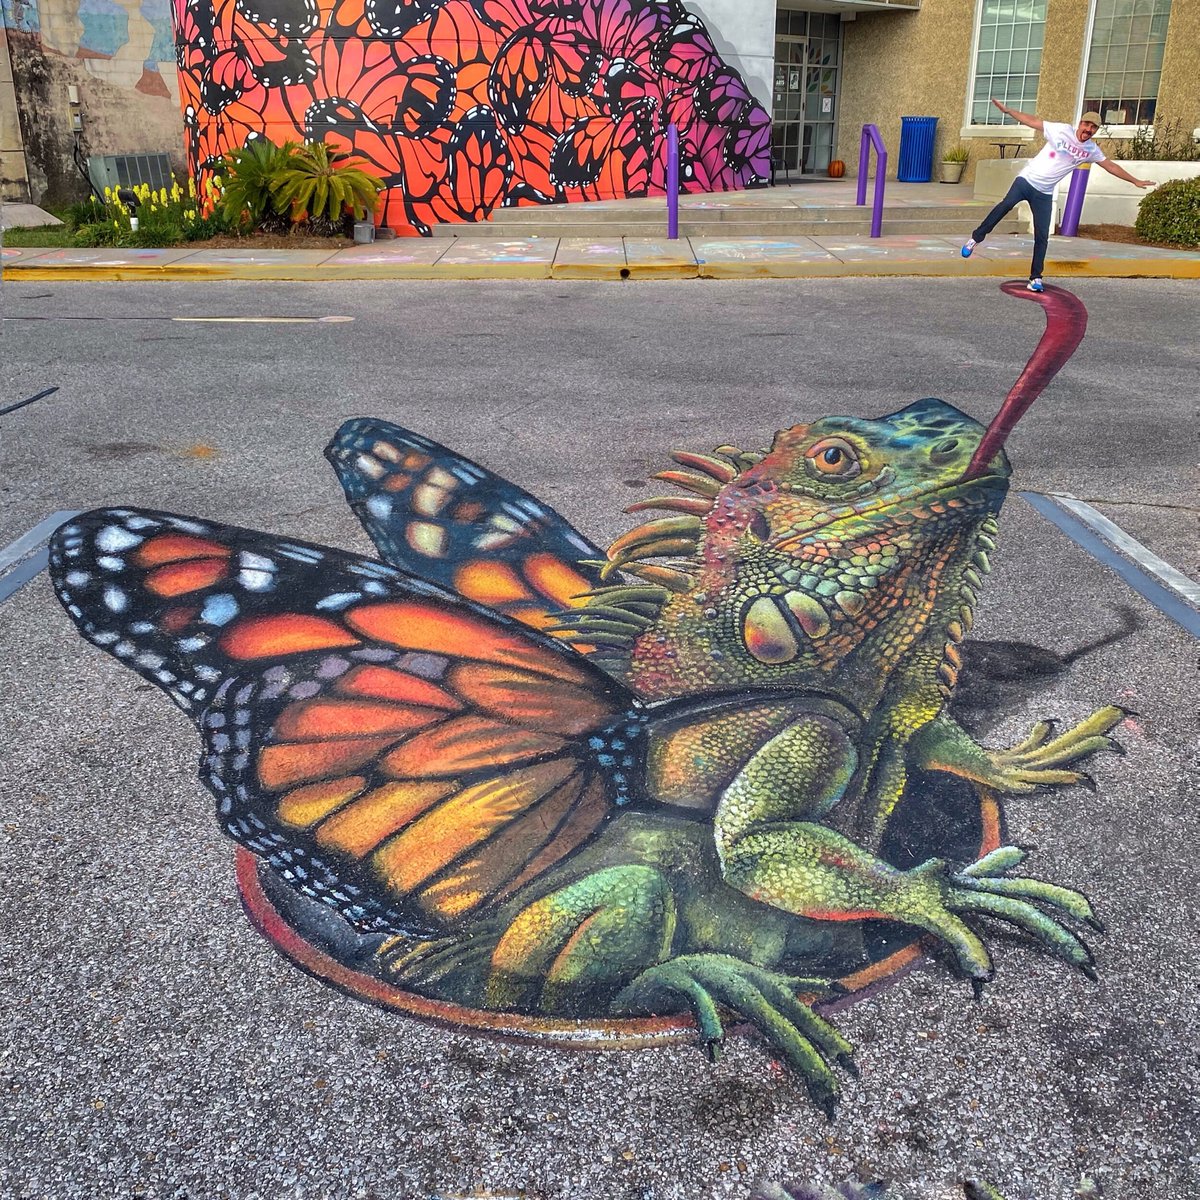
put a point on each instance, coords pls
(118, 56)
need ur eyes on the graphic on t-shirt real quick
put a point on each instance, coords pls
(1061, 154)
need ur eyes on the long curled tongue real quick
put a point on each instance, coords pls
(1066, 323)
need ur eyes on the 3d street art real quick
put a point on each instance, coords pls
(509, 781)
(463, 106)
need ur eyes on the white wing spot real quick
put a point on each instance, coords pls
(115, 600)
(114, 539)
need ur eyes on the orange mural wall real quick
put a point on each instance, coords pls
(464, 106)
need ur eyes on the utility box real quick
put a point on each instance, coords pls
(129, 170)
(916, 149)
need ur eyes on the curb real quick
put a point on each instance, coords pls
(747, 269)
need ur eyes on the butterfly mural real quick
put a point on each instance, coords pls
(508, 780)
(464, 106)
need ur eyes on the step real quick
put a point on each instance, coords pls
(750, 228)
(654, 213)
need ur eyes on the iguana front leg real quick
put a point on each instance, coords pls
(1041, 760)
(772, 849)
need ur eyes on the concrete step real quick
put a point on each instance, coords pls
(749, 228)
(652, 214)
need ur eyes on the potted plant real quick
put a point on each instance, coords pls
(954, 163)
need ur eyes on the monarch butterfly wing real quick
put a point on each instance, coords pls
(394, 751)
(444, 518)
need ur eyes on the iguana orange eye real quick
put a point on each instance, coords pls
(833, 458)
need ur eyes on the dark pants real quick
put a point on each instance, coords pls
(1042, 206)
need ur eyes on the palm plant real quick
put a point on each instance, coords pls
(316, 181)
(251, 179)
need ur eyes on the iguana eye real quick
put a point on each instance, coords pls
(833, 458)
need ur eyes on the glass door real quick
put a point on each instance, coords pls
(807, 75)
(788, 134)
(821, 91)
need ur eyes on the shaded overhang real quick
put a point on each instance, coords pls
(849, 8)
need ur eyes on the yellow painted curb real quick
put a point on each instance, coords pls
(1174, 268)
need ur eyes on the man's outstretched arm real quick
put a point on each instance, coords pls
(1119, 171)
(1033, 121)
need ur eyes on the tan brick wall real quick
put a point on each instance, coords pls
(918, 64)
(904, 64)
(1179, 91)
(1062, 59)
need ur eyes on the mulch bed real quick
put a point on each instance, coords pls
(1122, 233)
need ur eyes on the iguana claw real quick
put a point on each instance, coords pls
(767, 999)
(1041, 758)
(939, 899)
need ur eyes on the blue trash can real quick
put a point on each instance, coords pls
(916, 149)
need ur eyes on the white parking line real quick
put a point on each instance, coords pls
(1146, 559)
(28, 553)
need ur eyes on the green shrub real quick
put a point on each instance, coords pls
(251, 180)
(317, 185)
(1171, 214)
(956, 154)
(1164, 141)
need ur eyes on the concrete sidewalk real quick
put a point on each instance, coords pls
(611, 258)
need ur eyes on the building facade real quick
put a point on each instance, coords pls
(99, 76)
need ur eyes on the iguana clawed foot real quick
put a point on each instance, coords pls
(767, 999)
(1041, 759)
(937, 899)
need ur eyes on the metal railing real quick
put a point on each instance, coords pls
(870, 137)
(672, 182)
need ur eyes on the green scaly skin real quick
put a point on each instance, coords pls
(811, 606)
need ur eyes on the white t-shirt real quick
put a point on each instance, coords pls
(1061, 154)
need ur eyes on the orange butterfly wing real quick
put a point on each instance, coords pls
(390, 749)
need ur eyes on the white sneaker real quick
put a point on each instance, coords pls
(1035, 285)
(966, 250)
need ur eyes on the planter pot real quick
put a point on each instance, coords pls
(952, 172)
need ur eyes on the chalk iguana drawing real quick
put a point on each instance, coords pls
(541, 783)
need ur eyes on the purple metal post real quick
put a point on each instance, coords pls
(1073, 208)
(871, 137)
(672, 182)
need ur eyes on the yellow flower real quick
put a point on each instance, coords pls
(191, 186)
(190, 214)
(108, 193)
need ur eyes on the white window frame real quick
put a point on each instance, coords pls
(1113, 132)
(995, 133)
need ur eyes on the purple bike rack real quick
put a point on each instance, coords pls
(1073, 208)
(870, 137)
(672, 182)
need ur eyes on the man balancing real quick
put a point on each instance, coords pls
(1065, 149)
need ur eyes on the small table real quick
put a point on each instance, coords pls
(1003, 146)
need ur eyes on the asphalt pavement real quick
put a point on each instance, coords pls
(156, 1046)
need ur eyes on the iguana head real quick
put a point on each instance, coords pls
(848, 548)
(844, 538)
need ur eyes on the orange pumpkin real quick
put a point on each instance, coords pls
(837, 169)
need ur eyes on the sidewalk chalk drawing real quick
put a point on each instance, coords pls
(509, 781)
(465, 106)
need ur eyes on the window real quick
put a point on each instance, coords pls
(1125, 60)
(1008, 58)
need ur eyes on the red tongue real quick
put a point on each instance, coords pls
(1066, 323)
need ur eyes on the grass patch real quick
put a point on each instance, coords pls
(40, 235)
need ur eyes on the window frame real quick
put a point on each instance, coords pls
(1009, 133)
(1108, 132)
